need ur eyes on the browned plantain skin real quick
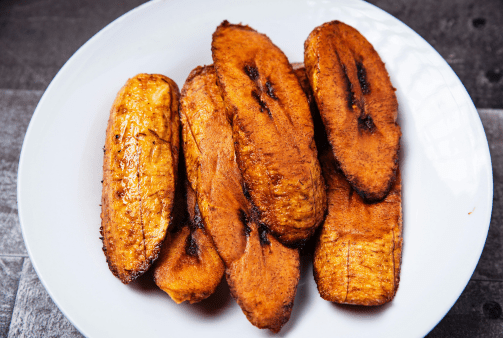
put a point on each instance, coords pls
(358, 255)
(264, 280)
(211, 164)
(139, 173)
(357, 104)
(189, 267)
(261, 272)
(272, 130)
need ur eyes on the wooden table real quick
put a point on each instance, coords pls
(36, 39)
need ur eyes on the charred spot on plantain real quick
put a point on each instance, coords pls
(263, 231)
(368, 198)
(252, 72)
(191, 246)
(270, 90)
(351, 191)
(366, 124)
(246, 192)
(120, 193)
(243, 217)
(288, 307)
(262, 104)
(362, 78)
(350, 95)
(198, 220)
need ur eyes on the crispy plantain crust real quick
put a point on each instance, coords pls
(211, 164)
(358, 255)
(189, 267)
(272, 131)
(357, 104)
(262, 273)
(264, 280)
(139, 173)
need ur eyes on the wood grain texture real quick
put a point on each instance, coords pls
(10, 273)
(490, 266)
(16, 108)
(38, 37)
(35, 314)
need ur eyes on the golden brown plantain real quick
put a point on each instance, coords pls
(264, 280)
(211, 164)
(189, 267)
(358, 255)
(357, 104)
(272, 131)
(139, 173)
(261, 272)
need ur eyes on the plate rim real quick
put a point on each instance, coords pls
(36, 116)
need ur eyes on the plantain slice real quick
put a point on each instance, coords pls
(189, 267)
(357, 104)
(261, 272)
(211, 164)
(139, 173)
(272, 131)
(264, 280)
(358, 255)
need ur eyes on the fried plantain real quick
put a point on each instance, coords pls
(358, 106)
(189, 267)
(272, 131)
(261, 272)
(211, 169)
(264, 280)
(139, 173)
(358, 255)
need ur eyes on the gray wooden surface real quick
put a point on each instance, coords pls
(38, 36)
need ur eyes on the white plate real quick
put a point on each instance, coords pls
(447, 177)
